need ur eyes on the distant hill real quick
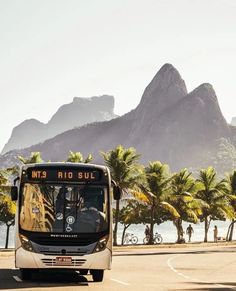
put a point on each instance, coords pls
(79, 112)
(170, 124)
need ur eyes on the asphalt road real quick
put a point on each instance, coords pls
(192, 268)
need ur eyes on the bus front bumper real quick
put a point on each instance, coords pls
(100, 260)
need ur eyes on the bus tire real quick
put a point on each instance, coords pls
(97, 275)
(26, 274)
(83, 272)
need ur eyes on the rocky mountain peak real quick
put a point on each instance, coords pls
(165, 79)
(164, 91)
(24, 132)
(167, 76)
(103, 103)
(206, 92)
(205, 113)
(204, 99)
(79, 112)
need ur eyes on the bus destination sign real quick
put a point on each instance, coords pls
(40, 174)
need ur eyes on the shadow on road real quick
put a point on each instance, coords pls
(212, 286)
(42, 279)
(204, 289)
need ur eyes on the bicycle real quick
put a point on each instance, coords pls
(157, 238)
(130, 238)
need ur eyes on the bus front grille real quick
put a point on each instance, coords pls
(59, 252)
(53, 262)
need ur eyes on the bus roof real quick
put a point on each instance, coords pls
(64, 165)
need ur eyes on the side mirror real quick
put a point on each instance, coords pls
(14, 193)
(116, 192)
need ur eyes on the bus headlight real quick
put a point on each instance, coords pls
(26, 243)
(101, 245)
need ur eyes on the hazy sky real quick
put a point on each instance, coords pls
(53, 50)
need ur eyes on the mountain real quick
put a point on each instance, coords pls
(233, 121)
(77, 113)
(169, 124)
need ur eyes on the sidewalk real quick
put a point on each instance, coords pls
(125, 248)
(173, 245)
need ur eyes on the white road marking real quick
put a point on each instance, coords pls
(17, 279)
(191, 278)
(120, 282)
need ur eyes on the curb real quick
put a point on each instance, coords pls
(173, 245)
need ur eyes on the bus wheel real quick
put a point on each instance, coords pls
(83, 272)
(97, 275)
(26, 274)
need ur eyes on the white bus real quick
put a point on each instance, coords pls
(64, 218)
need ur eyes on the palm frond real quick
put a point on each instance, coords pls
(172, 210)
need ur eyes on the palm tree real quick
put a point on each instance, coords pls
(3, 179)
(213, 193)
(7, 214)
(130, 214)
(34, 158)
(231, 191)
(124, 171)
(13, 171)
(77, 157)
(154, 192)
(183, 189)
(7, 207)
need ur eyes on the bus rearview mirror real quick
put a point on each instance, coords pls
(14, 193)
(116, 193)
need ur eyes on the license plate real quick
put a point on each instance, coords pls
(63, 260)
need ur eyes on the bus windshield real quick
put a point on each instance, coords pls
(53, 208)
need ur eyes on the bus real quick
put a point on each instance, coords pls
(64, 218)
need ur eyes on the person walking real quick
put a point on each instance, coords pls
(189, 232)
(215, 231)
(147, 231)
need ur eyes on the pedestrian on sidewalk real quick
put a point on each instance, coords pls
(147, 231)
(189, 232)
(215, 231)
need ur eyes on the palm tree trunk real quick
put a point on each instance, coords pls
(175, 224)
(123, 234)
(231, 230)
(150, 242)
(206, 228)
(7, 236)
(116, 222)
(228, 232)
(179, 228)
